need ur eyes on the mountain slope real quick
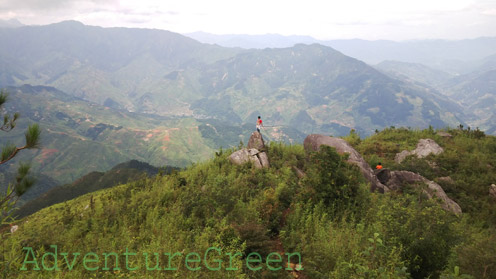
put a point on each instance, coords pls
(287, 84)
(43, 183)
(414, 72)
(477, 91)
(120, 174)
(311, 88)
(327, 218)
(79, 137)
(86, 60)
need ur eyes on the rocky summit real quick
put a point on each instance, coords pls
(253, 153)
(314, 141)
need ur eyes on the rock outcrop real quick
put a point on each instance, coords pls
(314, 141)
(425, 147)
(398, 179)
(264, 159)
(251, 154)
(383, 175)
(256, 141)
(384, 179)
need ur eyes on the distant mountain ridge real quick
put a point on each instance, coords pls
(475, 91)
(11, 23)
(321, 86)
(163, 73)
(414, 72)
(87, 60)
(447, 55)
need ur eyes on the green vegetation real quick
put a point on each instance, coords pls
(469, 159)
(94, 181)
(81, 137)
(23, 181)
(340, 229)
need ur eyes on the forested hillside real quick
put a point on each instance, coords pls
(313, 206)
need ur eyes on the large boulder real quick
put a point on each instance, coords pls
(398, 179)
(424, 148)
(256, 141)
(264, 159)
(245, 155)
(383, 175)
(240, 157)
(314, 141)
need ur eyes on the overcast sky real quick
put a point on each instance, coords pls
(322, 19)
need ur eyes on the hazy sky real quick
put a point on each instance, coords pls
(331, 19)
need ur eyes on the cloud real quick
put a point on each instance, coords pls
(491, 12)
(388, 19)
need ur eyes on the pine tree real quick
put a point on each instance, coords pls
(22, 181)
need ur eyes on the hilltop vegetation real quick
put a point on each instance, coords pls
(91, 182)
(340, 229)
(468, 160)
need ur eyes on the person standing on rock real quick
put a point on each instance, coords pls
(259, 124)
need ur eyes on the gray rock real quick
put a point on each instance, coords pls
(240, 157)
(314, 141)
(399, 157)
(492, 191)
(256, 141)
(398, 180)
(243, 156)
(264, 159)
(383, 175)
(253, 153)
(425, 147)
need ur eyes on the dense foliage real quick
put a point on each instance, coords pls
(327, 214)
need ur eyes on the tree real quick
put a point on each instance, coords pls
(22, 181)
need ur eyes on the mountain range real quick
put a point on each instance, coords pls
(455, 56)
(108, 95)
(162, 73)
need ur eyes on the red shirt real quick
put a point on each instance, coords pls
(378, 167)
